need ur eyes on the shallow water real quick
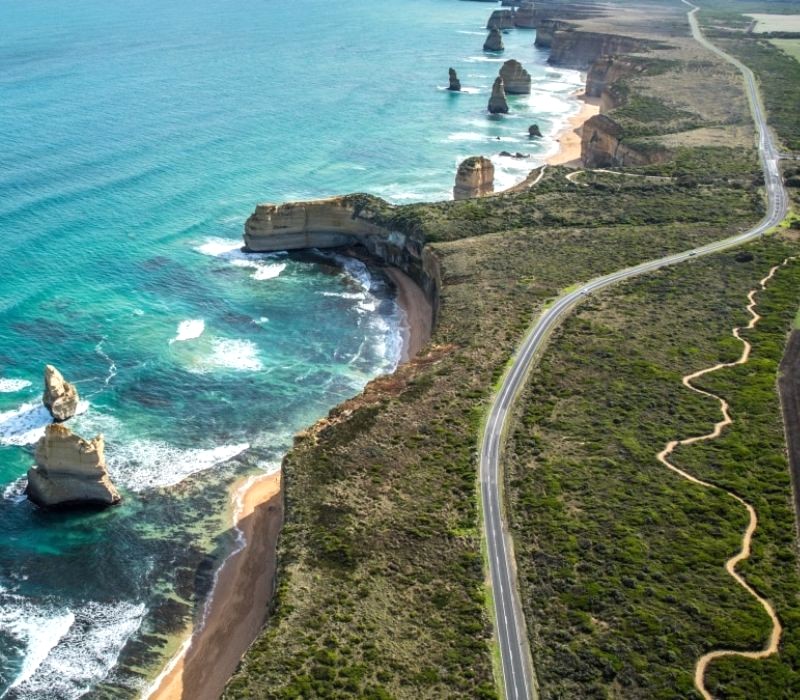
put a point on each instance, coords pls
(134, 140)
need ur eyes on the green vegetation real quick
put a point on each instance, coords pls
(791, 47)
(620, 560)
(381, 579)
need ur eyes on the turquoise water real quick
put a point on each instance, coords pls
(135, 138)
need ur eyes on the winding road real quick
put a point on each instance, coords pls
(518, 676)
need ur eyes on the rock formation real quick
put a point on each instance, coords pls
(534, 131)
(494, 42)
(602, 146)
(60, 397)
(70, 471)
(497, 102)
(579, 49)
(516, 80)
(501, 19)
(455, 83)
(475, 178)
(525, 16)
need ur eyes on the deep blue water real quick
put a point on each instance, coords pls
(135, 138)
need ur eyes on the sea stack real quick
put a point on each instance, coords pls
(60, 397)
(497, 102)
(501, 19)
(534, 131)
(494, 42)
(475, 178)
(70, 471)
(516, 80)
(455, 83)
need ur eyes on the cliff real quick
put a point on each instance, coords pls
(545, 29)
(345, 221)
(577, 49)
(70, 471)
(602, 146)
(501, 19)
(525, 16)
(607, 70)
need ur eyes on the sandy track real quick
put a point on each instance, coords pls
(771, 647)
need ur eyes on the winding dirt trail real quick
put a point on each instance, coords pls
(730, 566)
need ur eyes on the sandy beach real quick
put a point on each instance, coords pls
(419, 312)
(569, 139)
(239, 602)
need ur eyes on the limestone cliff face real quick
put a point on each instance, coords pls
(494, 42)
(345, 221)
(525, 16)
(576, 49)
(545, 29)
(602, 146)
(60, 397)
(70, 471)
(475, 178)
(497, 101)
(516, 80)
(501, 19)
(607, 70)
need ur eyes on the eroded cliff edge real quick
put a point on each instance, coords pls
(348, 221)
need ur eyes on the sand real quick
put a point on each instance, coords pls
(418, 311)
(569, 139)
(239, 602)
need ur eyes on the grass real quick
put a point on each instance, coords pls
(621, 561)
(790, 47)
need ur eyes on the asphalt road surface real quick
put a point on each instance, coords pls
(519, 679)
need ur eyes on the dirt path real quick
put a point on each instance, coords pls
(730, 566)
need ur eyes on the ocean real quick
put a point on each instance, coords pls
(135, 138)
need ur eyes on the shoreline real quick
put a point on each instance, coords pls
(238, 603)
(569, 138)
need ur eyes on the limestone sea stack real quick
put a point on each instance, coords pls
(501, 19)
(497, 102)
(534, 131)
(525, 16)
(516, 80)
(70, 471)
(494, 42)
(60, 397)
(455, 83)
(475, 178)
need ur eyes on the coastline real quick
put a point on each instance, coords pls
(569, 138)
(238, 604)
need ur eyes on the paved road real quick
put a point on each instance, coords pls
(519, 679)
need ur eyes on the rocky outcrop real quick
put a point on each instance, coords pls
(70, 471)
(602, 146)
(475, 178)
(501, 19)
(607, 70)
(346, 221)
(498, 104)
(494, 42)
(534, 131)
(516, 80)
(60, 397)
(576, 49)
(455, 83)
(525, 16)
(545, 29)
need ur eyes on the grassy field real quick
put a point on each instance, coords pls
(381, 579)
(775, 23)
(790, 47)
(620, 560)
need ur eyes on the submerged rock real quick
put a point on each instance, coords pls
(534, 131)
(455, 83)
(516, 79)
(60, 397)
(475, 178)
(497, 102)
(70, 471)
(494, 42)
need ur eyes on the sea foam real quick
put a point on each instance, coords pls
(225, 249)
(187, 330)
(8, 386)
(144, 464)
(26, 424)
